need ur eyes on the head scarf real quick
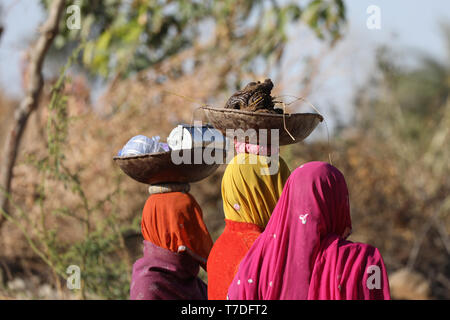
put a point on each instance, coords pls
(302, 253)
(174, 219)
(249, 190)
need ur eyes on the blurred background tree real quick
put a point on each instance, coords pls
(404, 113)
(125, 37)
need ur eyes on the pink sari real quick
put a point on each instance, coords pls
(302, 253)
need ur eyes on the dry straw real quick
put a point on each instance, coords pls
(312, 106)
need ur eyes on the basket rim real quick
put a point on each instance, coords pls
(259, 114)
(138, 156)
(156, 154)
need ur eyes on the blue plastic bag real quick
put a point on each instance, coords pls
(140, 144)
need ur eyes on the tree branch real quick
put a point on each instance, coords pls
(31, 100)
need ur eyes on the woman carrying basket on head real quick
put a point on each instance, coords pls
(176, 244)
(250, 193)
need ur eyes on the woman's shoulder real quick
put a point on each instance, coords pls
(349, 247)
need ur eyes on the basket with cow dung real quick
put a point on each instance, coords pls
(252, 111)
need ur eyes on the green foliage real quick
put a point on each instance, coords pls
(100, 252)
(127, 36)
(104, 272)
(324, 18)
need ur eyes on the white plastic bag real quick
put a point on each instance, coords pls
(187, 137)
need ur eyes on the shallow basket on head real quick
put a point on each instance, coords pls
(157, 168)
(290, 125)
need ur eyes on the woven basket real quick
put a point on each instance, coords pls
(299, 125)
(158, 168)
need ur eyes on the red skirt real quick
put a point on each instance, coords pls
(226, 254)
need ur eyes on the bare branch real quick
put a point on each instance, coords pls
(31, 100)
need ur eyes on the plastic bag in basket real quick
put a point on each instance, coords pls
(140, 144)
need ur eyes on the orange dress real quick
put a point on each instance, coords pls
(226, 254)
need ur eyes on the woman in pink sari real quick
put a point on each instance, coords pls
(302, 253)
